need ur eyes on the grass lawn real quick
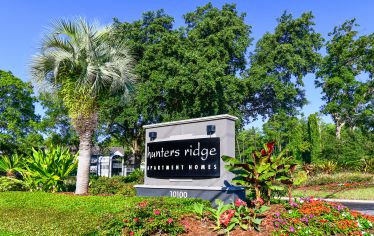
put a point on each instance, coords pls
(39, 213)
(352, 194)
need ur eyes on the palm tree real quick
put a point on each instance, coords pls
(78, 64)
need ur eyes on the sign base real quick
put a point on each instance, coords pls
(226, 194)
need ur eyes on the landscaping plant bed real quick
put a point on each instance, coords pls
(204, 227)
(307, 217)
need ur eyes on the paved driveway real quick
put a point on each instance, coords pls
(366, 207)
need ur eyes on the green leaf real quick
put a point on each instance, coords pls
(276, 187)
(257, 221)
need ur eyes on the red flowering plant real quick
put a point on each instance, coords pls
(261, 171)
(228, 216)
(309, 216)
(148, 220)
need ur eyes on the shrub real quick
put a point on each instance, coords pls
(137, 176)
(328, 167)
(47, 170)
(114, 185)
(146, 219)
(117, 184)
(12, 184)
(11, 165)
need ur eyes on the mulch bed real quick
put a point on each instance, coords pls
(205, 227)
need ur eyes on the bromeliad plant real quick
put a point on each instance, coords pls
(47, 170)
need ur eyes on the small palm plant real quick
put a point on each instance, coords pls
(11, 165)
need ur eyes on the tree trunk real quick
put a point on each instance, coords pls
(338, 129)
(269, 196)
(83, 174)
(289, 188)
(137, 153)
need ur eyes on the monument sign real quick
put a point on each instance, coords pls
(183, 159)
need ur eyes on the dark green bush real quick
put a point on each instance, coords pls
(137, 176)
(114, 185)
(12, 184)
(123, 185)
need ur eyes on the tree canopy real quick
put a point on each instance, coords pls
(278, 65)
(17, 112)
(348, 97)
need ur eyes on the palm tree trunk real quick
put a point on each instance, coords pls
(83, 175)
(137, 153)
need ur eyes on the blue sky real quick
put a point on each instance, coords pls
(23, 23)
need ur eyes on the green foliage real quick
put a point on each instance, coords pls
(228, 217)
(56, 124)
(288, 132)
(198, 209)
(327, 167)
(245, 139)
(11, 165)
(115, 185)
(47, 170)
(278, 65)
(149, 219)
(180, 70)
(314, 137)
(218, 211)
(348, 98)
(348, 151)
(122, 185)
(258, 170)
(17, 117)
(339, 178)
(368, 164)
(12, 184)
(137, 176)
(341, 191)
(353, 151)
(264, 172)
(292, 176)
